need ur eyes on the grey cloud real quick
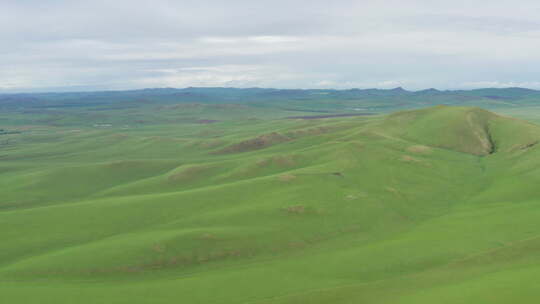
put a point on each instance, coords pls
(133, 44)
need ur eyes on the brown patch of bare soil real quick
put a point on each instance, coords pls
(392, 189)
(410, 159)
(523, 147)
(188, 174)
(208, 236)
(413, 160)
(419, 149)
(298, 209)
(286, 177)
(309, 131)
(259, 142)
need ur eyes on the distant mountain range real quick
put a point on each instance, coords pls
(303, 99)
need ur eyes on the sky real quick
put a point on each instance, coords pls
(72, 45)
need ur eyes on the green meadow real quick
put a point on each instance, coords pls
(219, 204)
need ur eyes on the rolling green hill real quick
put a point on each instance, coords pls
(438, 205)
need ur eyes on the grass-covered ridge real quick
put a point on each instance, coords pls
(437, 205)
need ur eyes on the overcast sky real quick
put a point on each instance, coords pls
(121, 44)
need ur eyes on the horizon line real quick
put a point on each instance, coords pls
(399, 88)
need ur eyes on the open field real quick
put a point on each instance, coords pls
(221, 203)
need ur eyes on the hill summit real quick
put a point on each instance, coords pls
(465, 129)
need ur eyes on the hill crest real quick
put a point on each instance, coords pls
(465, 129)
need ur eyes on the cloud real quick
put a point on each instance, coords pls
(499, 84)
(223, 76)
(133, 44)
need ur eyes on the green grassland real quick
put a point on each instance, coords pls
(206, 203)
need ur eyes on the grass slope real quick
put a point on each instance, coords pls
(427, 206)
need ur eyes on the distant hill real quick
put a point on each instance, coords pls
(314, 99)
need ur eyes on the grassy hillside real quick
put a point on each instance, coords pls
(437, 205)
